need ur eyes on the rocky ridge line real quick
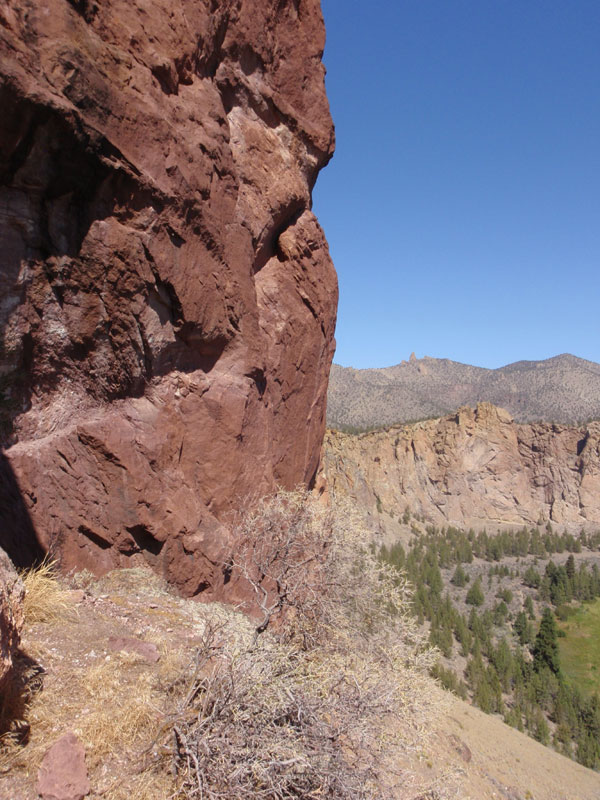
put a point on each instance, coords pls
(562, 389)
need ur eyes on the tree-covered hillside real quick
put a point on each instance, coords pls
(496, 607)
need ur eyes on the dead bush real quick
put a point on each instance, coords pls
(311, 566)
(313, 702)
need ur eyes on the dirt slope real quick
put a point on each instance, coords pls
(115, 703)
(502, 764)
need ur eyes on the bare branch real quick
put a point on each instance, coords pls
(303, 707)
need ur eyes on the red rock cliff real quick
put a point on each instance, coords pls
(167, 297)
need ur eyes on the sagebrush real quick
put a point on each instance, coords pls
(313, 703)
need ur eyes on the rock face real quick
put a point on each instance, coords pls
(12, 596)
(167, 297)
(472, 468)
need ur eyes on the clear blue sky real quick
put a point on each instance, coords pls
(462, 206)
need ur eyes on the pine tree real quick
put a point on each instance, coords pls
(460, 577)
(528, 606)
(522, 627)
(588, 750)
(540, 731)
(475, 595)
(503, 662)
(545, 648)
(532, 577)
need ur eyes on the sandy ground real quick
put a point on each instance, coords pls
(500, 762)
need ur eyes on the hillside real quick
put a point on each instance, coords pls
(562, 389)
(127, 641)
(492, 604)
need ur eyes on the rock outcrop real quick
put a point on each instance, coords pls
(12, 616)
(472, 468)
(168, 299)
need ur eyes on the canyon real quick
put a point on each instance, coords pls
(167, 309)
(168, 301)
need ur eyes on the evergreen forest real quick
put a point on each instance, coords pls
(498, 608)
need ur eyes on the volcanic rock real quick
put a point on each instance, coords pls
(167, 296)
(471, 468)
(12, 596)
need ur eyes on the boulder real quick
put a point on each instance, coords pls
(63, 772)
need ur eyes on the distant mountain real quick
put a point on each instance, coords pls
(561, 389)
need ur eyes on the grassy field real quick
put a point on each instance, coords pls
(580, 649)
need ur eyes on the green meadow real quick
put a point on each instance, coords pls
(580, 648)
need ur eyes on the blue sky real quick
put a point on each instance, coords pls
(462, 206)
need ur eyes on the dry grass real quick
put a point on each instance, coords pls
(108, 728)
(114, 707)
(107, 705)
(46, 597)
(315, 696)
(112, 703)
(47, 601)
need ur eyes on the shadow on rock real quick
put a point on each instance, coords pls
(17, 533)
(20, 686)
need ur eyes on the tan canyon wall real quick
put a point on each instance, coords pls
(472, 468)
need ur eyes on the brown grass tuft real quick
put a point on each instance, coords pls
(46, 598)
